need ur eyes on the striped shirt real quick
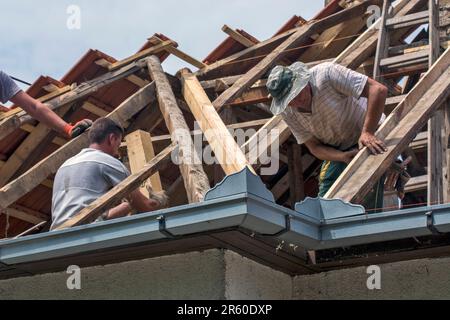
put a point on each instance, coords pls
(338, 110)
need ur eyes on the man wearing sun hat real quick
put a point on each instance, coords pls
(332, 110)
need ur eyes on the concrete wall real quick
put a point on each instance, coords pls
(212, 274)
(187, 276)
(219, 274)
(418, 279)
(248, 280)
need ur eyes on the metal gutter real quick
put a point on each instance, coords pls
(239, 201)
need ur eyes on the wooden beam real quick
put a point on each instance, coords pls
(436, 151)
(122, 190)
(447, 157)
(225, 149)
(83, 90)
(140, 151)
(180, 54)
(140, 55)
(296, 180)
(134, 79)
(300, 35)
(26, 214)
(397, 131)
(238, 37)
(282, 186)
(384, 40)
(92, 108)
(39, 172)
(195, 179)
(417, 184)
(333, 40)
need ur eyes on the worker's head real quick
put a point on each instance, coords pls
(106, 135)
(285, 84)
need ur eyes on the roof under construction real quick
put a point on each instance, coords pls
(272, 218)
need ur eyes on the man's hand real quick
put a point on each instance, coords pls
(348, 156)
(160, 197)
(375, 145)
(78, 128)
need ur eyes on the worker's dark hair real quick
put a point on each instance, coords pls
(102, 128)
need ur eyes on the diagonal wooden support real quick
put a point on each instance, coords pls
(225, 149)
(180, 54)
(142, 54)
(38, 173)
(302, 34)
(9, 124)
(246, 42)
(122, 190)
(195, 179)
(398, 131)
(140, 151)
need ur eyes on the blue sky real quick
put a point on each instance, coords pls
(35, 39)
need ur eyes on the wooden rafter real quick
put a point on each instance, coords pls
(195, 179)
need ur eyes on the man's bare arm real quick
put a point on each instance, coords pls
(39, 111)
(141, 203)
(323, 152)
(376, 95)
(44, 114)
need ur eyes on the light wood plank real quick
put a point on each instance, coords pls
(225, 149)
(140, 151)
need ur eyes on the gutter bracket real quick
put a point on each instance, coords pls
(430, 224)
(162, 227)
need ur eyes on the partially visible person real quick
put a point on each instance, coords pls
(90, 174)
(10, 91)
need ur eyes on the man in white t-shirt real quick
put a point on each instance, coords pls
(90, 174)
(331, 109)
